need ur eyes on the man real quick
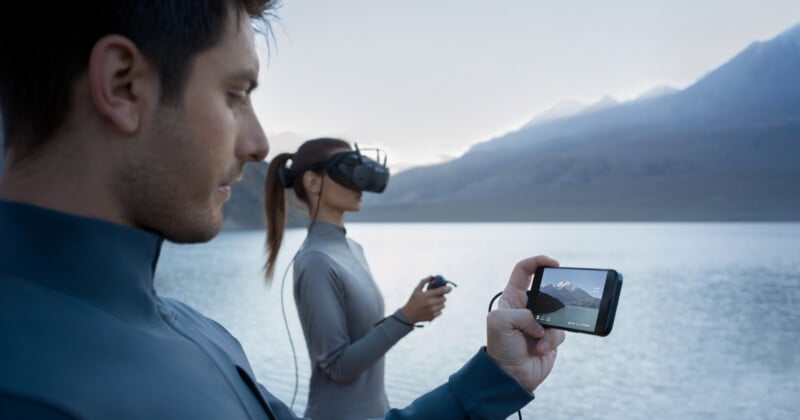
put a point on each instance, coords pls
(126, 123)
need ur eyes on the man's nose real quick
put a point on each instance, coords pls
(253, 145)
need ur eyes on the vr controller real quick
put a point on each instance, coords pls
(438, 281)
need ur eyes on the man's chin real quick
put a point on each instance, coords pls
(195, 231)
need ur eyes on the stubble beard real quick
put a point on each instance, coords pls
(160, 191)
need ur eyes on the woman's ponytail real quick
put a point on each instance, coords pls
(311, 151)
(275, 211)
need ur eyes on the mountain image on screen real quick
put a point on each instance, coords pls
(571, 295)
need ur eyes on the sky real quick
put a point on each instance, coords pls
(425, 80)
(592, 282)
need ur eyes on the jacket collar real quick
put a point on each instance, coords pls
(326, 230)
(107, 265)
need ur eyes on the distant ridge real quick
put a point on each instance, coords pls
(725, 148)
(571, 295)
(245, 209)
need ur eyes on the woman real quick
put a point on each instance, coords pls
(339, 304)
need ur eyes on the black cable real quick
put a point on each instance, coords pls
(289, 333)
(319, 200)
(283, 306)
(396, 318)
(494, 299)
(491, 302)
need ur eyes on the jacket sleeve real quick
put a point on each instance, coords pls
(479, 390)
(279, 409)
(320, 301)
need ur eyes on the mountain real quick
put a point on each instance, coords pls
(725, 148)
(604, 103)
(559, 110)
(657, 91)
(571, 295)
(569, 108)
(245, 208)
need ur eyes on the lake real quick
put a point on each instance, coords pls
(708, 323)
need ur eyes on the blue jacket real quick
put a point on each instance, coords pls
(83, 335)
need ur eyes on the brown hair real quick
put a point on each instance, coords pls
(37, 78)
(310, 152)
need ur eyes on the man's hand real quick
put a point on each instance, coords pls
(515, 341)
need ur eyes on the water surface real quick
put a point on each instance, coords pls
(707, 326)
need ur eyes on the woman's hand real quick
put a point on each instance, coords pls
(425, 305)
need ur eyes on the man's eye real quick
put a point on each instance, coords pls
(238, 98)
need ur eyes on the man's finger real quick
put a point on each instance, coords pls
(552, 339)
(555, 336)
(521, 275)
(519, 319)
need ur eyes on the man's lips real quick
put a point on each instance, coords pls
(228, 182)
(225, 187)
(225, 190)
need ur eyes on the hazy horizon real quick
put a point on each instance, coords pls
(426, 81)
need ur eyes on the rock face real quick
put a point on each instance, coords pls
(569, 294)
(245, 208)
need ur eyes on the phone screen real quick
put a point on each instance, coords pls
(570, 298)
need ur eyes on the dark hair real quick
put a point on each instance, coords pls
(40, 67)
(311, 151)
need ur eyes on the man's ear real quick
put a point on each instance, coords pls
(121, 82)
(312, 182)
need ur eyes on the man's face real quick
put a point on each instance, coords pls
(191, 154)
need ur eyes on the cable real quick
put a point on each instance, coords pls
(494, 299)
(289, 333)
(396, 318)
(491, 302)
(319, 200)
(283, 306)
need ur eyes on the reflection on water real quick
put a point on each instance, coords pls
(571, 317)
(707, 326)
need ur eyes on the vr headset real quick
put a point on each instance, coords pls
(350, 169)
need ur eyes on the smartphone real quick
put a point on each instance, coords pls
(575, 299)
